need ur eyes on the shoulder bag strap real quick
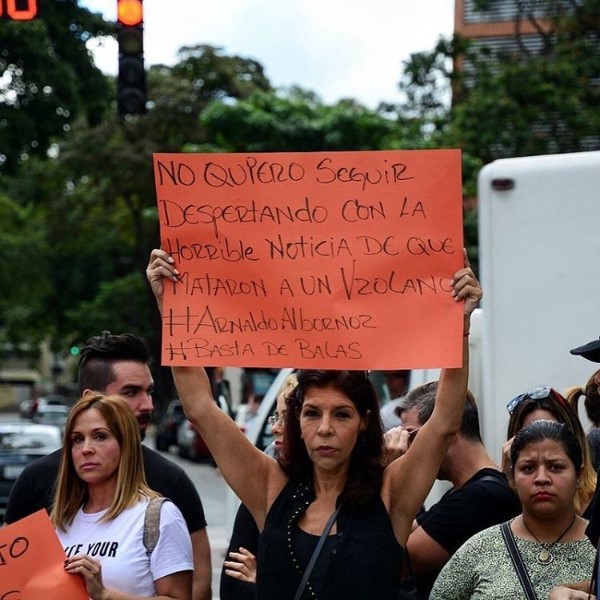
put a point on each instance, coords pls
(152, 524)
(409, 590)
(517, 560)
(315, 555)
(594, 578)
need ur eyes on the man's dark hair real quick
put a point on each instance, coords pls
(422, 399)
(101, 351)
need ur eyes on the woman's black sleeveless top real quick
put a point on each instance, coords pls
(361, 561)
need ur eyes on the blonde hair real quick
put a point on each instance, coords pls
(591, 395)
(72, 492)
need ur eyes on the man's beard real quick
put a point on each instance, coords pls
(144, 420)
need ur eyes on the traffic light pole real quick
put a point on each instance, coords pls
(131, 82)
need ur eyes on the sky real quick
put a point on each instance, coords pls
(336, 48)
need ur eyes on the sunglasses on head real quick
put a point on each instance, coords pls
(538, 393)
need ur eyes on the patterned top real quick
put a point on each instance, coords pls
(482, 569)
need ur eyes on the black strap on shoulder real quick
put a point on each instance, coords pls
(315, 555)
(517, 560)
(594, 578)
(152, 524)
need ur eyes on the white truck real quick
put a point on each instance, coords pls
(539, 251)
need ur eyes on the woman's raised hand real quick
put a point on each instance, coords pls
(160, 265)
(465, 286)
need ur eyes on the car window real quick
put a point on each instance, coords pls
(27, 441)
(54, 410)
(265, 437)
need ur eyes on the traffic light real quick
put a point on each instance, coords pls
(18, 10)
(131, 83)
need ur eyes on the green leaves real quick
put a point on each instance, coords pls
(48, 80)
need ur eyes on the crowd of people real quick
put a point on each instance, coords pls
(335, 507)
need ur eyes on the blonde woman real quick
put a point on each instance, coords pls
(100, 505)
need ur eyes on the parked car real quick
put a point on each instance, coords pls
(28, 408)
(167, 424)
(20, 443)
(52, 414)
(190, 443)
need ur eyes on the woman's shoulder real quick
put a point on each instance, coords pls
(168, 509)
(483, 540)
(158, 505)
(582, 548)
(145, 507)
(493, 532)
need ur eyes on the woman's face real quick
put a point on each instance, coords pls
(330, 424)
(537, 415)
(545, 479)
(95, 450)
(278, 428)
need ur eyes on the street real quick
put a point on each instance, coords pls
(212, 490)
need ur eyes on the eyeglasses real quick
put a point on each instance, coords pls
(538, 393)
(413, 433)
(275, 419)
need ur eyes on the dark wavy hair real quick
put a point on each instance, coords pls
(366, 471)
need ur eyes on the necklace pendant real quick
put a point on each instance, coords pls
(545, 557)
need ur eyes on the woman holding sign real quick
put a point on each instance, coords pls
(334, 522)
(103, 510)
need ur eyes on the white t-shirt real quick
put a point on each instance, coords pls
(118, 545)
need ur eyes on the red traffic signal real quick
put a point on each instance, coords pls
(130, 12)
(131, 82)
(18, 10)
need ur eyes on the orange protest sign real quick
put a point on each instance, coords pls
(312, 260)
(32, 563)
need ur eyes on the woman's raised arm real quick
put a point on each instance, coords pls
(408, 480)
(230, 448)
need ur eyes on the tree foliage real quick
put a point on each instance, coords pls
(534, 99)
(295, 119)
(179, 94)
(94, 202)
(48, 79)
(24, 276)
(82, 221)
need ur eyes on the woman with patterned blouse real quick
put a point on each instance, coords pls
(546, 467)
